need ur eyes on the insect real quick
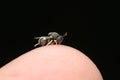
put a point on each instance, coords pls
(52, 38)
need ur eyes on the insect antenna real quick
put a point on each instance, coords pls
(65, 34)
(36, 37)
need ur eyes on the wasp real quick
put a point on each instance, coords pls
(52, 38)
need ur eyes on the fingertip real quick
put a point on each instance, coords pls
(53, 62)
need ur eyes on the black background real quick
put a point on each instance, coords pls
(20, 26)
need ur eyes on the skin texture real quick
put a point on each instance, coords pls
(54, 62)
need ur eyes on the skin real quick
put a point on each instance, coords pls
(54, 62)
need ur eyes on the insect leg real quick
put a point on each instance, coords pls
(50, 42)
(39, 41)
(56, 42)
(36, 45)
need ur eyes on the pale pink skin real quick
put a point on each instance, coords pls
(54, 62)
